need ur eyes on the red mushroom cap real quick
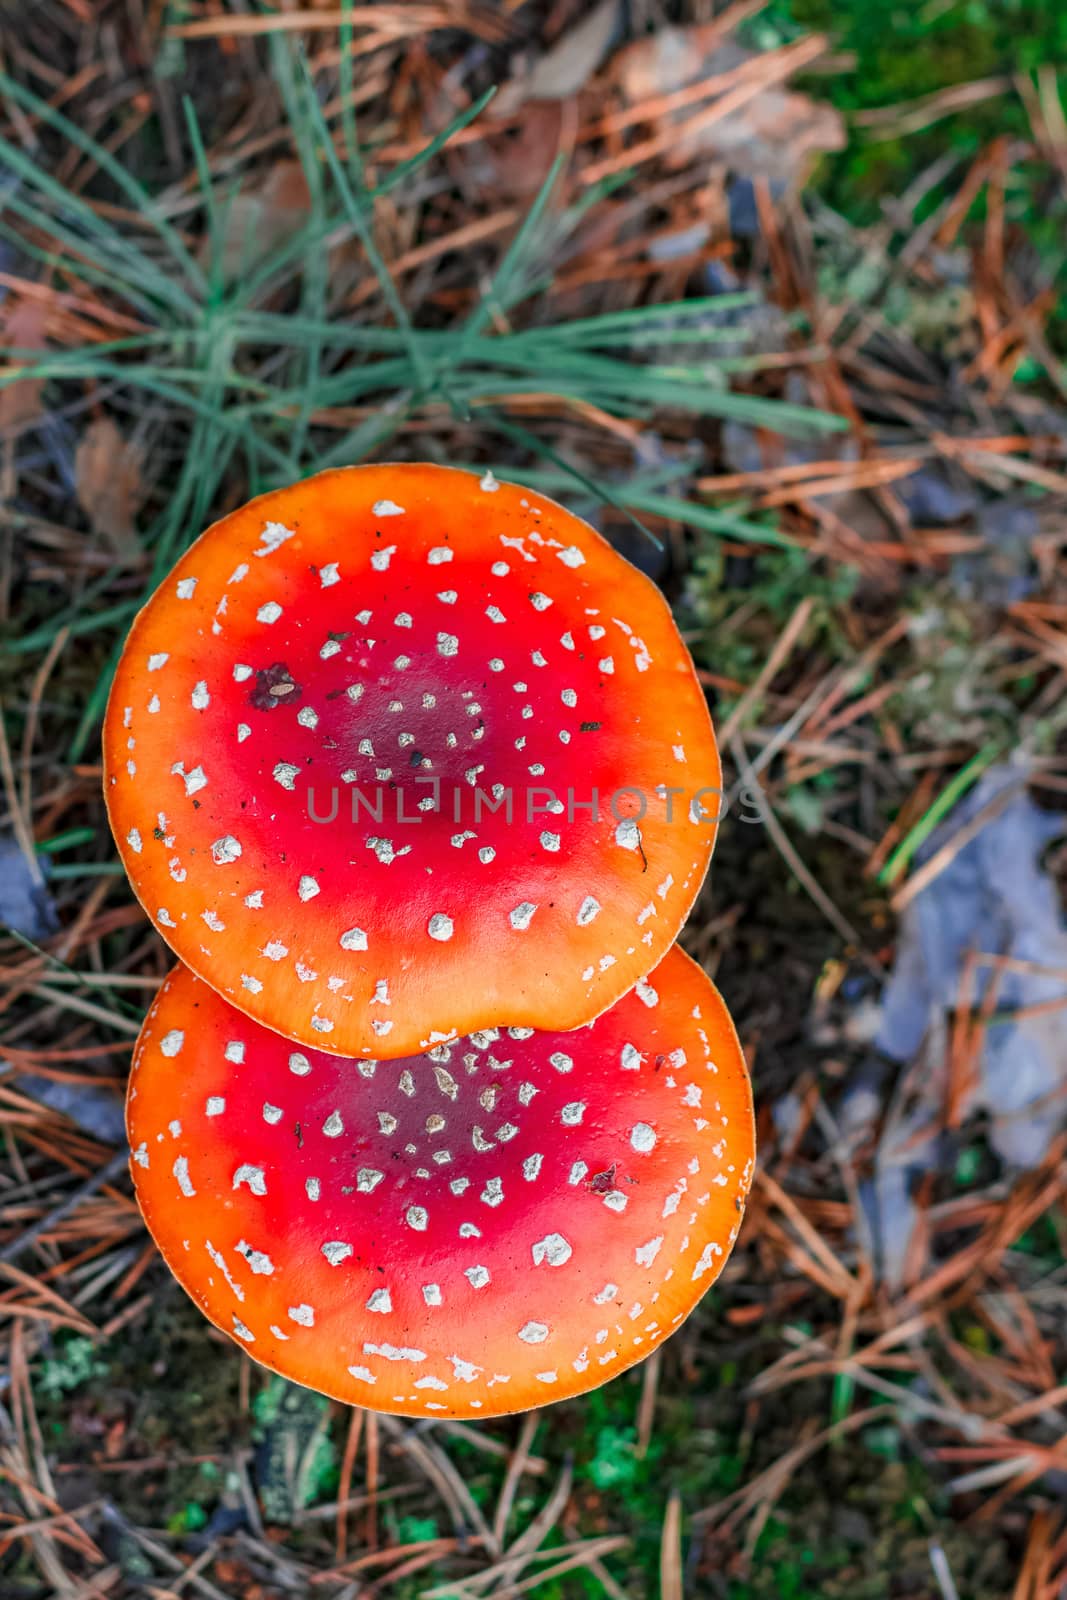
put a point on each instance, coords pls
(514, 1218)
(316, 715)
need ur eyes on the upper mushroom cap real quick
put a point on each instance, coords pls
(315, 714)
(509, 1220)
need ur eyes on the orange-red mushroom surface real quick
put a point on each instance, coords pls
(511, 1219)
(398, 753)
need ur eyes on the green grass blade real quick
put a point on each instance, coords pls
(78, 623)
(348, 110)
(500, 292)
(111, 265)
(709, 519)
(644, 321)
(215, 287)
(120, 175)
(599, 491)
(360, 222)
(918, 834)
(405, 169)
(314, 266)
(367, 438)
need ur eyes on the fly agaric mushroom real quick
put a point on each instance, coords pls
(511, 1219)
(398, 753)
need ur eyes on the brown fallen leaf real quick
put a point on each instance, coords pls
(665, 60)
(20, 402)
(774, 136)
(107, 480)
(767, 131)
(566, 68)
(260, 218)
(515, 164)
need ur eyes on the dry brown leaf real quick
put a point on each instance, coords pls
(260, 218)
(665, 60)
(773, 136)
(770, 135)
(107, 477)
(515, 164)
(567, 67)
(20, 402)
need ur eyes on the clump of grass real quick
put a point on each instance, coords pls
(245, 381)
(250, 373)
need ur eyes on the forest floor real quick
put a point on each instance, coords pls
(786, 319)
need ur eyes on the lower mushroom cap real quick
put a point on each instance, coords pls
(508, 1221)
